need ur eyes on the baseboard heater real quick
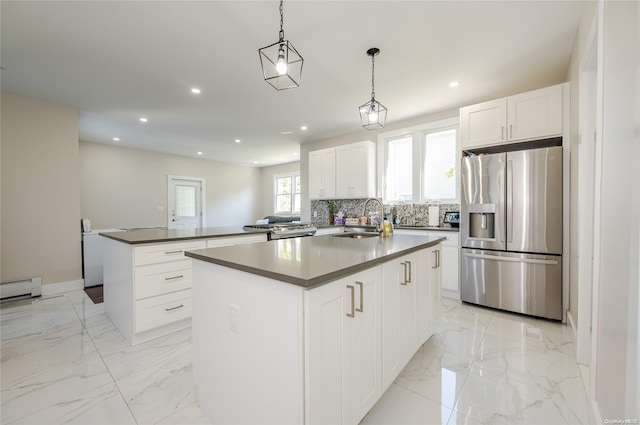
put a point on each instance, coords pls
(18, 289)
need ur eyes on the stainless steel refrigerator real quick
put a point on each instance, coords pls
(511, 231)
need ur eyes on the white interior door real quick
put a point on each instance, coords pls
(185, 202)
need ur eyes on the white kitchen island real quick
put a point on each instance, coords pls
(309, 330)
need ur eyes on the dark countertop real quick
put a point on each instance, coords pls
(310, 262)
(171, 235)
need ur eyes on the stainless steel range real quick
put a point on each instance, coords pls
(284, 230)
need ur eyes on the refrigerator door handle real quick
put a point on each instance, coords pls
(509, 201)
(513, 260)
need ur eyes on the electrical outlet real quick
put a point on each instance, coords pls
(234, 313)
(160, 208)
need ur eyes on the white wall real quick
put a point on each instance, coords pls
(124, 187)
(267, 184)
(614, 378)
(619, 236)
(40, 191)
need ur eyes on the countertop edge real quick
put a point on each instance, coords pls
(319, 280)
(114, 236)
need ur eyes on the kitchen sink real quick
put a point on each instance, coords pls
(357, 235)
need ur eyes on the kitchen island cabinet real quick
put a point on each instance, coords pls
(294, 328)
(147, 278)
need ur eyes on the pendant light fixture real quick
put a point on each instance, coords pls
(373, 114)
(281, 63)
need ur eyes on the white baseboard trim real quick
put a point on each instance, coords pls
(595, 412)
(61, 287)
(450, 294)
(572, 323)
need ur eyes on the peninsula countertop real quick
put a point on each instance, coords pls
(156, 235)
(313, 261)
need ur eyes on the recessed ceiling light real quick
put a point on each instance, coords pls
(295, 154)
(237, 140)
(199, 153)
(303, 128)
(195, 90)
(117, 139)
(255, 162)
(454, 84)
(143, 119)
(287, 132)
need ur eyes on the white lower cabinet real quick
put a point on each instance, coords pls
(147, 288)
(400, 282)
(343, 362)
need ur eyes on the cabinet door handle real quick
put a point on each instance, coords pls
(409, 264)
(361, 285)
(353, 303)
(503, 132)
(435, 259)
(174, 308)
(511, 131)
(173, 252)
(404, 282)
(438, 257)
(173, 277)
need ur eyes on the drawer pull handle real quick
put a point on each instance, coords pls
(361, 285)
(404, 266)
(409, 264)
(174, 308)
(177, 251)
(173, 277)
(353, 303)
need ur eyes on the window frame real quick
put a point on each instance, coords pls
(293, 176)
(418, 134)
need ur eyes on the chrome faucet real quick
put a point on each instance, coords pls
(379, 226)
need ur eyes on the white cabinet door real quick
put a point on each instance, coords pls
(399, 315)
(435, 306)
(343, 171)
(536, 114)
(484, 124)
(365, 339)
(342, 349)
(355, 170)
(322, 173)
(424, 295)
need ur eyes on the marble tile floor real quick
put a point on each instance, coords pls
(63, 361)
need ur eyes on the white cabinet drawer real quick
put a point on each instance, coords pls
(162, 278)
(163, 309)
(161, 253)
(236, 240)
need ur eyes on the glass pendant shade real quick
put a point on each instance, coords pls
(373, 114)
(281, 65)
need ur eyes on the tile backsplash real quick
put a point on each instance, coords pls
(413, 214)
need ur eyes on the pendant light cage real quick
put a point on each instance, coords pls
(281, 63)
(373, 114)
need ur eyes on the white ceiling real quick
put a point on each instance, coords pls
(117, 61)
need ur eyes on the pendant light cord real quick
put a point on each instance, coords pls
(281, 22)
(373, 73)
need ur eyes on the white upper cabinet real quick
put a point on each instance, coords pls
(348, 171)
(355, 170)
(322, 174)
(532, 115)
(484, 124)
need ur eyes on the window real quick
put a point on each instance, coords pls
(287, 194)
(440, 159)
(399, 170)
(420, 163)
